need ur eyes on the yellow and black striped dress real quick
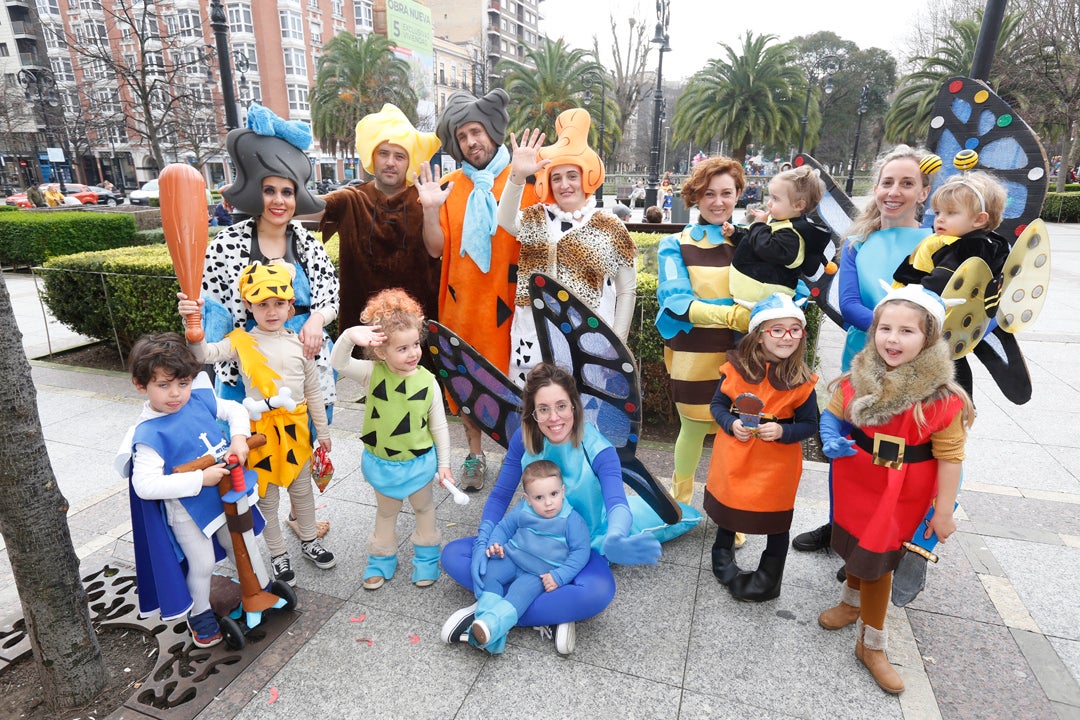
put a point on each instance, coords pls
(693, 265)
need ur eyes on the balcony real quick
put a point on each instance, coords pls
(31, 60)
(23, 29)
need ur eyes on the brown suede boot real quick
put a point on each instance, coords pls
(845, 613)
(870, 649)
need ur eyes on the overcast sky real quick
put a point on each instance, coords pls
(698, 26)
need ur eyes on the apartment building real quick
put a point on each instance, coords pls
(504, 29)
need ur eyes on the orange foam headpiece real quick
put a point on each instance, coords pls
(571, 148)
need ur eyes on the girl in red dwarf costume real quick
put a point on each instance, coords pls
(765, 406)
(895, 427)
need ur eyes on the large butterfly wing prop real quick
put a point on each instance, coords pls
(968, 115)
(572, 336)
(837, 212)
(479, 388)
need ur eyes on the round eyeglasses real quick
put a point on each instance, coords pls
(544, 412)
(779, 332)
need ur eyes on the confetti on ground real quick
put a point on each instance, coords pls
(273, 696)
(358, 619)
(413, 639)
(369, 641)
(322, 507)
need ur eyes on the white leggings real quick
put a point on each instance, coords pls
(303, 505)
(199, 551)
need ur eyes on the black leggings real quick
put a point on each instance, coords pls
(776, 546)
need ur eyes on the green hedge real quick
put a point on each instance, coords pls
(33, 238)
(1062, 207)
(648, 347)
(129, 291)
(8, 208)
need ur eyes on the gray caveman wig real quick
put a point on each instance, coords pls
(462, 107)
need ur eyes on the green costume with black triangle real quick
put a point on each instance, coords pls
(399, 456)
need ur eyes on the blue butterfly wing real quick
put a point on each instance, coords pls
(480, 389)
(968, 115)
(837, 212)
(573, 337)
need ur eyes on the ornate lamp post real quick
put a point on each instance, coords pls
(864, 99)
(590, 79)
(44, 88)
(220, 24)
(242, 64)
(663, 19)
(826, 65)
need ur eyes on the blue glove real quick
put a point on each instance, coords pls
(624, 549)
(834, 442)
(478, 566)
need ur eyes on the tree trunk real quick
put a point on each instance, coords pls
(33, 521)
(1068, 158)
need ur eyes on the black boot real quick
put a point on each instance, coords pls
(763, 583)
(723, 561)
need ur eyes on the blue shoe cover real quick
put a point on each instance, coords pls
(425, 563)
(382, 566)
(500, 616)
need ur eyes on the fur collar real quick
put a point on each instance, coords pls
(881, 393)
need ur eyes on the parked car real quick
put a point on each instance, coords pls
(143, 195)
(107, 197)
(83, 193)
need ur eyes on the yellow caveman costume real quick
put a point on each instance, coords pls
(283, 420)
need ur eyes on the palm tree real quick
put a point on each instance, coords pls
(752, 95)
(557, 81)
(355, 78)
(908, 119)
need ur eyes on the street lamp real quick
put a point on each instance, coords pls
(242, 64)
(864, 98)
(827, 65)
(219, 22)
(44, 84)
(589, 79)
(663, 19)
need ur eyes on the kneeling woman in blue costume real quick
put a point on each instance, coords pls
(553, 428)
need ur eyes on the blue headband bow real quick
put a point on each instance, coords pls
(263, 121)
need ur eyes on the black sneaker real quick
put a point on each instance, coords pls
(316, 553)
(283, 571)
(816, 539)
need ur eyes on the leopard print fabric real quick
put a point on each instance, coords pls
(230, 252)
(580, 259)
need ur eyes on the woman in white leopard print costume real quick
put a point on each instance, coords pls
(565, 236)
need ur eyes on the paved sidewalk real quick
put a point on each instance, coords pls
(996, 634)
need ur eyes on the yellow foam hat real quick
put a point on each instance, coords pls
(390, 125)
(571, 148)
(259, 282)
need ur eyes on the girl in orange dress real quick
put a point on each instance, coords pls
(765, 405)
(895, 427)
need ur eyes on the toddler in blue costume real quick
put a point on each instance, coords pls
(541, 544)
(178, 522)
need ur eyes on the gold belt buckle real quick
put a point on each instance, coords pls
(889, 451)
